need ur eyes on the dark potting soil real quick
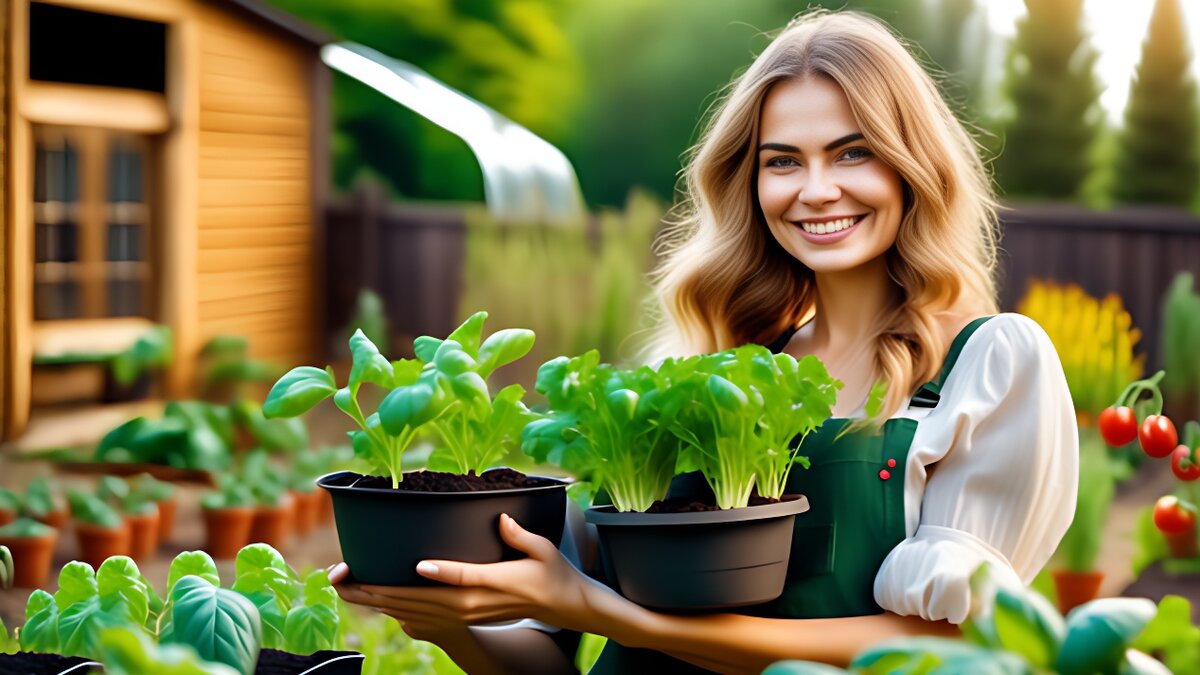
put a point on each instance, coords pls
(275, 662)
(685, 505)
(437, 481)
(29, 663)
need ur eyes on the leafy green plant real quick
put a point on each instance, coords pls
(89, 508)
(475, 430)
(24, 527)
(1172, 635)
(189, 435)
(222, 625)
(39, 498)
(266, 484)
(447, 378)
(1180, 333)
(370, 317)
(151, 350)
(125, 651)
(1014, 631)
(608, 426)
(149, 488)
(226, 365)
(230, 493)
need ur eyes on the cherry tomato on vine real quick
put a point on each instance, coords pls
(1158, 436)
(1118, 425)
(1184, 465)
(1172, 517)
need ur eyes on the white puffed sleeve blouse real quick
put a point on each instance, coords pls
(991, 474)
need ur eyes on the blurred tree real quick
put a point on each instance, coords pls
(1158, 158)
(511, 55)
(1056, 115)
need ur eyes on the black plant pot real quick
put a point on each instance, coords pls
(324, 662)
(698, 561)
(30, 663)
(384, 533)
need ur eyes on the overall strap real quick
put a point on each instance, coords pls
(931, 392)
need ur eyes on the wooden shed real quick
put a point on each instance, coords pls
(162, 162)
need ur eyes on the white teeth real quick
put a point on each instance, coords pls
(828, 227)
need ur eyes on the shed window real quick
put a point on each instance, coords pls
(80, 47)
(92, 221)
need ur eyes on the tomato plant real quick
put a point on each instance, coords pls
(1118, 425)
(1158, 436)
(1184, 465)
(1172, 516)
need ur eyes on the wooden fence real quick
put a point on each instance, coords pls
(412, 256)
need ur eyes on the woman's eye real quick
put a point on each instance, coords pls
(854, 154)
(781, 162)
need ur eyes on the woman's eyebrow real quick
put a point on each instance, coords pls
(784, 147)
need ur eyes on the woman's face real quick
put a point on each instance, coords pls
(829, 201)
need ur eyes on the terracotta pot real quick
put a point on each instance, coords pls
(227, 530)
(325, 507)
(143, 535)
(273, 524)
(97, 544)
(7, 517)
(166, 518)
(1182, 544)
(308, 506)
(1075, 588)
(31, 558)
(56, 519)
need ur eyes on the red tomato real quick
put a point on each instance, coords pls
(1157, 436)
(1184, 465)
(1172, 517)
(1118, 426)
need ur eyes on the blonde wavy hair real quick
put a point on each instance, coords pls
(724, 281)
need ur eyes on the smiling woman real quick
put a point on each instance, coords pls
(835, 208)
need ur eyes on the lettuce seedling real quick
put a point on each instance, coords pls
(744, 414)
(475, 430)
(608, 426)
(129, 652)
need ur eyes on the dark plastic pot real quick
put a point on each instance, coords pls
(384, 533)
(324, 662)
(28, 663)
(695, 561)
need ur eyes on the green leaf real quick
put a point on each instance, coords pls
(6, 568)
(309, 628)
(622, 403)
(40, 632)
(470, 388)
(79, 627)
(1028, 625)
(802, 668)
(407, 407)
(425, 347)
(91, 509)
(452, 359)
(272, 616)
(39, 497)
(1172, 634)
(503, 347)
(936, 655)
(298, 391)
(1099, 632)
(123, 591)
(25, 527)
(76, 583)
(469, 333)
(194, 563)
(369, 364)
(221, 625)
(260, 568)
(129, 652)
(726, 394)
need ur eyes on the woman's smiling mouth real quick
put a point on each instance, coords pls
(828, 230)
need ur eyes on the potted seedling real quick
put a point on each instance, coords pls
(228, 516)
(101, 531)
(138, 511)
(32, 548)
(130, 372)
(147, 488)
(10, 506)
(41, 504)
(435, 514)
(737, 417)
(274, 507)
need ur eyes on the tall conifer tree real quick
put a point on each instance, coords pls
(1055, 95)
(1158, 160)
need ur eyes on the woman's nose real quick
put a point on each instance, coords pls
(818, 187)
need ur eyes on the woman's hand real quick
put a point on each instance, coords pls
(543, 586)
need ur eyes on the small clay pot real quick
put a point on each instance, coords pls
(308, 506)
(56, 519)
(31, 558)
(273, 524)
(143, 534)
(227, 530)
(166, 518)
(1076, 588)
(97, 544)
(7, 517)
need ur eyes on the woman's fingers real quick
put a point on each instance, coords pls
(539, 548)
(338, 572)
